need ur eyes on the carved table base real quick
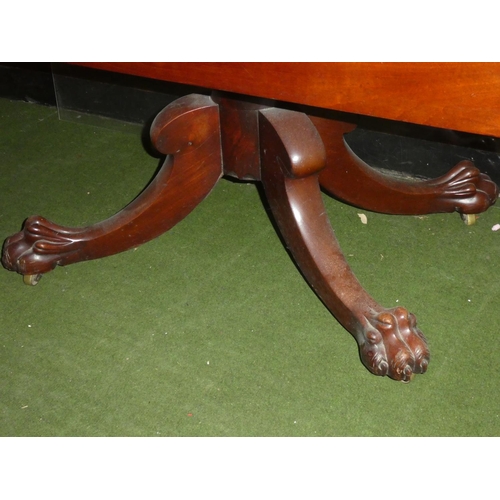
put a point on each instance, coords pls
(293, 154)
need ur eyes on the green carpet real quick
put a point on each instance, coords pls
(210, 330)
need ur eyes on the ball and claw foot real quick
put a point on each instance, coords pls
(394, 346)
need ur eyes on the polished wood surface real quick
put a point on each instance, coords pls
(457, 96)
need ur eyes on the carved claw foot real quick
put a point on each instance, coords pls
(392, 345)
(38, 248)
(465, 189)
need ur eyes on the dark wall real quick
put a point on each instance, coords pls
(122, 97)
(31, 82)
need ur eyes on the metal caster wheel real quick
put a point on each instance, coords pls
(469, 219)
(31, 279)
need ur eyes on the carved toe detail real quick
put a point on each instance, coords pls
(466, 189)
(38, 248)
(394, 346)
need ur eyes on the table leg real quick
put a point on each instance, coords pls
(292, 157)
(187, 131)
(463, 189)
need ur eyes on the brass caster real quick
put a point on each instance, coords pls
(31, 279)
(469, 219)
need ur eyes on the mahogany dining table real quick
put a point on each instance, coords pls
(283, 125)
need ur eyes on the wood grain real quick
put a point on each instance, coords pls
(459, 96)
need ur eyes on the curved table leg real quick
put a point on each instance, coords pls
(292, 155)
(463, 189)
(188, 132)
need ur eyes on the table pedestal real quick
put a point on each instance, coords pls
(293, 154)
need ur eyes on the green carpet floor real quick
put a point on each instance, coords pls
(210, 330)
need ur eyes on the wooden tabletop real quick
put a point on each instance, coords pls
(459, 96)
